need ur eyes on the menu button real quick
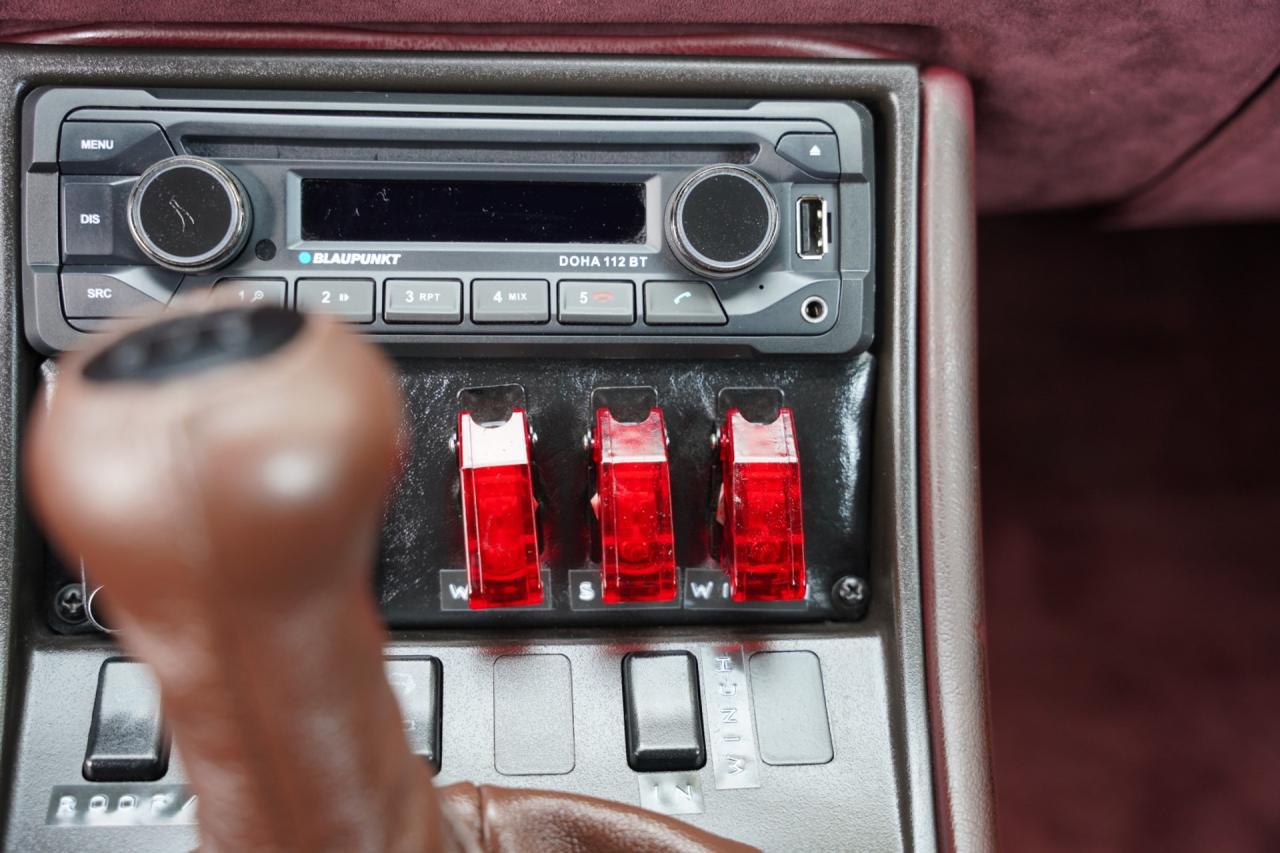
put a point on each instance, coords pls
(111, 147)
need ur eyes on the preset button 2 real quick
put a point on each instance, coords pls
(349, 299)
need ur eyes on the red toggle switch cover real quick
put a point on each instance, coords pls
(633, 506)
(499, 512)
(762, 545)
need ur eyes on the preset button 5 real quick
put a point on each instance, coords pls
(604, 302)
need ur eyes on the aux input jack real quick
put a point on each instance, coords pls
(814, 309)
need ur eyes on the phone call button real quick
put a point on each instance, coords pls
(682, 303)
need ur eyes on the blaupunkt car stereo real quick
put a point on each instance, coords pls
(452, 225)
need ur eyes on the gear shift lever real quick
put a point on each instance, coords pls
(223, 474)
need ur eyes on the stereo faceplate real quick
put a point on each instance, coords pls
(481, 225)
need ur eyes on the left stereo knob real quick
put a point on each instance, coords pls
(189, 214)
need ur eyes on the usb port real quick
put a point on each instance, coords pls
(812, 239)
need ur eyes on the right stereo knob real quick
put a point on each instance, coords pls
(722, 221)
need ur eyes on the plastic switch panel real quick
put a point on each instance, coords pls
(759, 510)
(499, 513)
(633, 508)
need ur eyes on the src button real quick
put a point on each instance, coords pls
(127, 293)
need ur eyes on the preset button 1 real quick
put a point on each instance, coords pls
(256, 292)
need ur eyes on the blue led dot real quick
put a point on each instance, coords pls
(304, 257)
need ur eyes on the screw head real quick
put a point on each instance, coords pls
(852, 592)
(69, 604)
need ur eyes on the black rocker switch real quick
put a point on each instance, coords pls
(664, 716)
(127, 742)
(416, 683)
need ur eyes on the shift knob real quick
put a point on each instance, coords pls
(223, 475)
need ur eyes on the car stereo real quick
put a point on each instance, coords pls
(450, 224)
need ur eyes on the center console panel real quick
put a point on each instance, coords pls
(540, 611)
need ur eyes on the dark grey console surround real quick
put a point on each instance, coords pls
(874, 794)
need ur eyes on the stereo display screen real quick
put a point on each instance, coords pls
(459, 211)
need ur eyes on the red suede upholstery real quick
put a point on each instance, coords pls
(1131, 491)
(498, 39)
(1236, 176)
(1077, 103)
